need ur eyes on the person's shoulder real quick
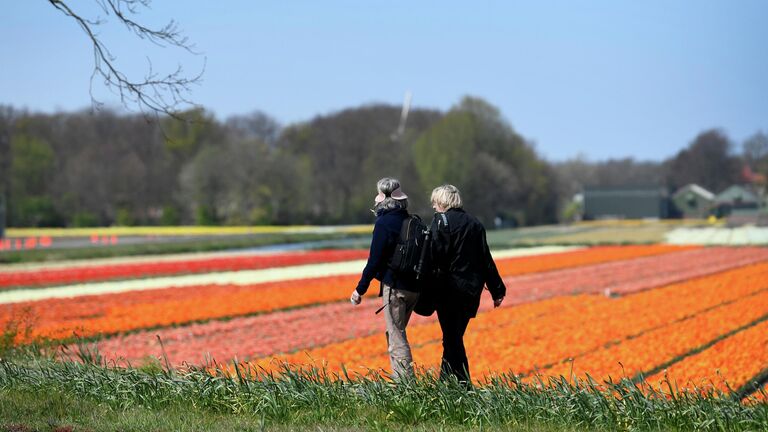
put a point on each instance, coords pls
(458, 215)
(462, 218)
(392, 219)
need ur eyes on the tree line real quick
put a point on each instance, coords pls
(107, 168)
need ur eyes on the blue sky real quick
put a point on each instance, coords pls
(601, 79)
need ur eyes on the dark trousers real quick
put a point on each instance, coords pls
(454, 318)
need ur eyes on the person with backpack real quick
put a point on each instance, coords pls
(463, 265)
(387, 262)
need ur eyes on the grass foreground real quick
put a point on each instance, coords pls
(44, 394)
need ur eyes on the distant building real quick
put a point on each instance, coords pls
(693, 201)
(626, 203)
(737, 199)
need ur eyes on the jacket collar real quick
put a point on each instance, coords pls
(381, 213)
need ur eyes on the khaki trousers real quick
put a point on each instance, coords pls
(397, 312)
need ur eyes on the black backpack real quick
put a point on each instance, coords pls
(410, 251)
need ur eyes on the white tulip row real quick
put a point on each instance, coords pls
(747, 235)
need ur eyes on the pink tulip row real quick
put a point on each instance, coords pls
(623, 277)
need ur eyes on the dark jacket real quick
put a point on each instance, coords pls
(462, 260)
(386, 232)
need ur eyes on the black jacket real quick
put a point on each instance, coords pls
(462, 260)
(386, 232)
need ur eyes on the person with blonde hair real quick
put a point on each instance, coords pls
(400, 292)
(463, 265)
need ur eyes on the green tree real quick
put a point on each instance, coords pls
(346, 152)
(445, 152)
(32, 165)
(204, 182)
(184, 137)
(475, 148)
(6, 120)
(31, 171)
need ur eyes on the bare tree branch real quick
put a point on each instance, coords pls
(155, 92)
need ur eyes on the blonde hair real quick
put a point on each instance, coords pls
(447, 196)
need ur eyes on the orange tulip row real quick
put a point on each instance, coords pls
(657, 347)
(727, 365)
(115, 313)
(544, 334)
(371, 352)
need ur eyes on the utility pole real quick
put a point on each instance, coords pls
(398, 134)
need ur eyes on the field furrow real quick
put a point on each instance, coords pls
(739, 357)
(760, 396)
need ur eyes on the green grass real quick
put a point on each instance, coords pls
(41, 393)
(192, 245)
(56, 411)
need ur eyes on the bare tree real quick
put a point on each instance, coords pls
(255, 126)
(159, 93)
(756, 151)
(708, 161)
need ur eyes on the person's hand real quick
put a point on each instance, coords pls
(497, 302)
(355, 298)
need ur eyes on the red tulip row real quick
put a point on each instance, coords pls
(81, 274)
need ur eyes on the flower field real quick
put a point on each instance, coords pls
(698, 316)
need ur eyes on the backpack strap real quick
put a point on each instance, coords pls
(404, 229)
